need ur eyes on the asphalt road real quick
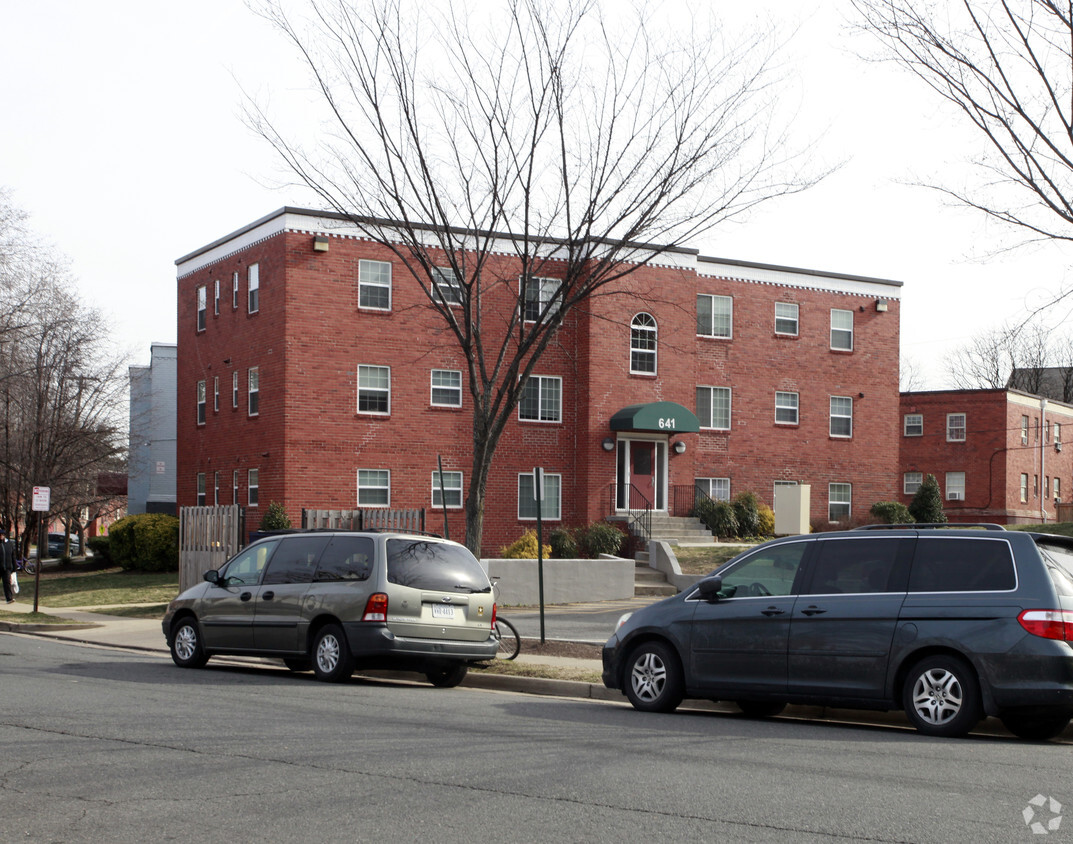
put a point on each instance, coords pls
(593, 623)
(105, 745)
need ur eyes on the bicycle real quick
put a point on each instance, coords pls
(28, 566)
(510, 643)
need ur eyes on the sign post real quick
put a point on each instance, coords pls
(538, 493)
(42, 501)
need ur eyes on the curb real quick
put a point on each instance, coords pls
(26, 627)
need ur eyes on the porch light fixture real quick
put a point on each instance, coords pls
(320, 243)
(680, 447)
(608, 444)
(881, 305)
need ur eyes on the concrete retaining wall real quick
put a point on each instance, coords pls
(565, 581)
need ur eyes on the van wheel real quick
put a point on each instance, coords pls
(654, 678)
(941, 697)
(447, 676)
(1036, 723)
(186, 648)
(332, 662)
(761, 708)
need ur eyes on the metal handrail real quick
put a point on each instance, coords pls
(642, 518)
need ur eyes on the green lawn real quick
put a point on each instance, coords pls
(701, 560)
(99, 588)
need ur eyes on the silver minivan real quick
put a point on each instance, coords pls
(336, 601)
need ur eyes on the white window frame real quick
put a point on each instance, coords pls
(253, 391)
(216, 489)
(377, 390)
(709, 422)
(447, 286)
(911, 482)
(216, 297)
(1024, 429)
(840, 332)
(202, 307)
(1024, 487)
(253, 487)
(452, 489)
(446, 389)
(1057, 489)
(234, 291)
(841, 401)
(952, 427)
(376, 481)
(955, 486)
(644, 343)
(551, 510)
(234, 486)
(253, 288)
(216, 394)
(717, 489)
(847, 502)
(706, 305)
(234, 389)
(790, 314)
(549, 398)
(911, 428)
(201, 402)
(536, 294)
(374, 276)
(200, 489)
(787, 403)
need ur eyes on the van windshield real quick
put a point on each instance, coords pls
(426, 564)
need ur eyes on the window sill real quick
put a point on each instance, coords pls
(713, 337)
(841, 351)
(449, 407)
(787, 336)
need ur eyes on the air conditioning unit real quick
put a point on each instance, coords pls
(1057, 446)
(954, 496)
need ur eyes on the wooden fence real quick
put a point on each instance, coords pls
(208, 537)
(368, 519)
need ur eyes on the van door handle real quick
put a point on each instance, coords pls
(813, 610)
(245, 596)
(268, 596)
(770, 611)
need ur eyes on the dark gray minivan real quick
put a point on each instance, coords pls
(948, 624)
(333, 601)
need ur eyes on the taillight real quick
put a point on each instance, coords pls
(376, 607)
(1050, 624)
(493, 616)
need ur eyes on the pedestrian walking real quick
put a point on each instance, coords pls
(7, 564)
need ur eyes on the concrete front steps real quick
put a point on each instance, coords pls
(680, 530)
(647, 581)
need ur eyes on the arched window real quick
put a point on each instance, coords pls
(643, 344)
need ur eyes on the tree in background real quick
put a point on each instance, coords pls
(568, 139)
(927, 504)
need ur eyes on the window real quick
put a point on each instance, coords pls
(1035, 428)
(858, 566)
(252, 484)
(538, 292)
(1057, 436)
(955, 486)
(234, 487)
(541, 399)
(1024, 487)
(643, 344)
(1057, 490)
(786, 318)
(253, 288)
(527, 505)
(841, 416)
(216, 394)
(839, 497)
(374, 389)
(1024, 430)
(715, 316)
(374, 487)
(216, 297)
(447, 286)
(911, 482)
(234, 291)
(446, 388)
(955, 427)
(200, 402)
(215, 489)
(200, 489)
(786, 408)
(295, 560)
(254, 390)
(717, 489)
(374, 285)
(841, 330)
(769, 570)
(1035, 486)
(913, 425)
(246, 568)
(962, 565)
(713, 407)
(234, 388)
(201, 305)
(451, 491)
(346, 558)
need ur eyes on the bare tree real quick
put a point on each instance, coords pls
(985, 362)
(569, 139)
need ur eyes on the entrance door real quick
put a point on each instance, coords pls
(642, 475)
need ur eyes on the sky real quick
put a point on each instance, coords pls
(121, 135)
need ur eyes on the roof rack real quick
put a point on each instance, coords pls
(934, 526)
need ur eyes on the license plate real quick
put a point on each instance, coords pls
(443, 611)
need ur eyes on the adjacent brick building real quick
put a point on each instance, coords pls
(313, 371)
(997, 454)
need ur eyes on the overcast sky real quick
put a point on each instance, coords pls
(122, 138)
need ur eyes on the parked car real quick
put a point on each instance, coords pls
(948, 624)
(57, 545)
(332, 601)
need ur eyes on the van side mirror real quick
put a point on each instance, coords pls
(710, 588)
(212, 576)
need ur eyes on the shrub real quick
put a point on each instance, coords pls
(601, 538)
(563, 544)
(146, 542)
(927, 504)
(746, 511)
(766, 521)
(891, 513)
(101, 548)
(275, 517)
(524, 548)
(718, 517)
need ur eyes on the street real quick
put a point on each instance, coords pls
(99, 744)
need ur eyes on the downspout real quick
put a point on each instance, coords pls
(1043, 460)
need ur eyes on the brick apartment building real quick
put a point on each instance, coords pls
(997, 454)
(313, 371)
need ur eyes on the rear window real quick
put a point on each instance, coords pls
(346, 558)
(295, 560)
(1059, 562)
(956, 564)
(439, 566)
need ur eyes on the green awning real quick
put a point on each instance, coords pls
(663, 417)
